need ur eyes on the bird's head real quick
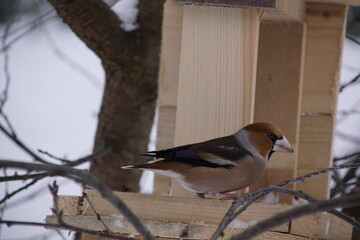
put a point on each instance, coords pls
(266, 138)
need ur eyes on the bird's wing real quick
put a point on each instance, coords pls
(219, 152)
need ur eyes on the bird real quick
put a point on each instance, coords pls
(220, 165)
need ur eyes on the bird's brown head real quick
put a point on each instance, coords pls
(267, 138)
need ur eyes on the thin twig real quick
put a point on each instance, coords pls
(352, 81)
(73, 64)
(9, 195)
(283, 217)
(68, 227)
(53, 157)
(31, 23)
(348, 137)
(16, 177)
(355, 40)
(98, 217)
(22, 145)
(4, 93)
(248, 196)
(356, 154)
(298, 194)
(8, 123)
(83, 176)
(98, 154)
(54, 188)
(316, 173)
(27, 31)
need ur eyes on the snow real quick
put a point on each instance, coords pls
(119, 220)
(127, 12)
(53, 108)
(270, 198)
(237, 223)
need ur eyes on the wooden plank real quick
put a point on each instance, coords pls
(280, 10)
(168, 84)
(271, 4)
(326, 26)
(316, 134)
(92, 237)
(165, 139)
(286, 10)
(170, 54)
(321, 226)
(217, 73)
(278, 91)
(70, 204)
(181, 209)
(161, 229)
(342, 2)
(317, 187)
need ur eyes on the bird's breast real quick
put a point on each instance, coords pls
(214, 180)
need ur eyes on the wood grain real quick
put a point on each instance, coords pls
(217, 73)
(168, 85)
(170, 54)
(326, 26)
(161, 229)
(278, 91)
(321, 226)
(181, 209)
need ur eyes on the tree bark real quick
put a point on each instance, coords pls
(131, 63)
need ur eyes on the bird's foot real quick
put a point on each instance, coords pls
(230, 196)
(226, 196)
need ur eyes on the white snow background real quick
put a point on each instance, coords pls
(53, 105)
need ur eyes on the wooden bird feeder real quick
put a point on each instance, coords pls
(225, 64)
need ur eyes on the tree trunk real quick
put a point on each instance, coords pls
(131, 63)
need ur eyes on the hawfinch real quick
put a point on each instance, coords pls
(222, 164)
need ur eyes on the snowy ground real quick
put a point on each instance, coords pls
(53, 106)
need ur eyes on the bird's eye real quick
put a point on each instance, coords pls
(272, 136)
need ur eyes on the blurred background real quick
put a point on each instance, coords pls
(53, 86)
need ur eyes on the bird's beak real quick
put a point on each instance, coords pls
(282, 145)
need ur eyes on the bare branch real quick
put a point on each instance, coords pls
(311, 208)
(299, 194)
(67, 227)
(87, 178)
(22, 145)
(231, 214)
(342, 118)
(355, 40)
(53, 157)
(9, 195)
(348, 112)
(96, 213)
(54, 188)
(316, 173)
(351, 155)
(98, 154)
(351, 82)
(74, 65)
(348, 137)
(4, 93)
(35, 24)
